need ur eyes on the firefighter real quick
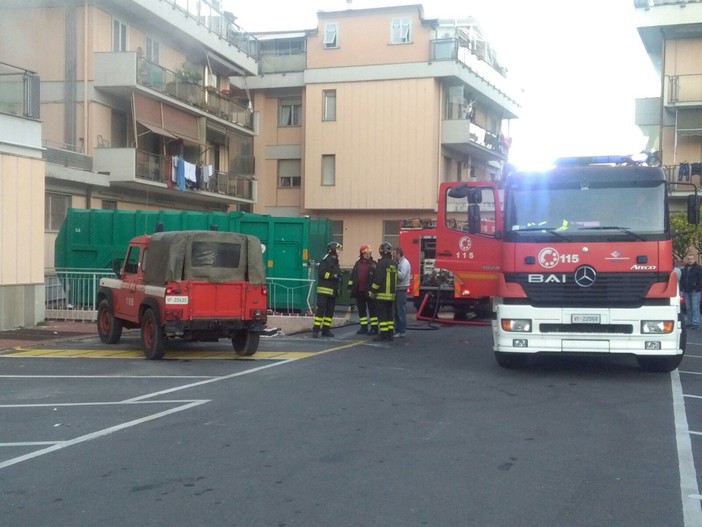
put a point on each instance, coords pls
(359, 282)
(382, 290)
(328, 276)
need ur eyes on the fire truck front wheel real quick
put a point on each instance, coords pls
(109, 328)
(245, 342)
(153, 341)
(510, 360)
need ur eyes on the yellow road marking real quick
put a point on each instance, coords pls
(170, 354)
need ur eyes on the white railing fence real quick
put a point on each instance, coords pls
(71, 294)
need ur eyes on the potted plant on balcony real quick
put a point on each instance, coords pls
(187, 83)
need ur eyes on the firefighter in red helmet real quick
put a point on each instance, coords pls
(358, 287)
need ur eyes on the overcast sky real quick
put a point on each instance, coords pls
(580, 64)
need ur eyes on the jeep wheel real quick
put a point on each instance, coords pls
(109, 328)
(152, 339)
(245, 342)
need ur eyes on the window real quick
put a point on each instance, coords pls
(132, 263)
(109, 204)
(336, 228)
(55, 210)
(328, 170)
(391, 232)
(290, 112)
(119, 35)
(331, 35)
(329, 105)
(400, 31)
(151, 50)
(289, 171)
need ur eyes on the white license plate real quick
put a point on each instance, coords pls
(173, 300)
(585, 319)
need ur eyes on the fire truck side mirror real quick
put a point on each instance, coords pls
(475, 195)
(117, 266)
(693, 209)
(473, 218)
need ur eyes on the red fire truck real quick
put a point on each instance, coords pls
(580, 261)
(449, 283)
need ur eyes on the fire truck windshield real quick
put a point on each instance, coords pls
(593, 211)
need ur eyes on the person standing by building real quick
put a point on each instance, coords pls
(359, 282)
(382, 291)
(404, 275)
(690, 285)
(328, 275)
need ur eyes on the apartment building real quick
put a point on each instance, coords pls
(363, 116)
(136, 104)
(22, 198)
(671, 31)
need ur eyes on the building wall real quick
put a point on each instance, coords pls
(364, 39)
(386, 142)
(274, 143)
(21, 228)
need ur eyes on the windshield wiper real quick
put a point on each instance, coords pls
(612, 227)
(550, 230)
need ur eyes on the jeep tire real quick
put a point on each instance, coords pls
(109, 328)
(153, 341)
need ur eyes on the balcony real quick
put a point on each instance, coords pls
(475, 68)
(683, 91)
(123, 72)
(146, 172)
(466, 138)
(19, 92)
(659, 20)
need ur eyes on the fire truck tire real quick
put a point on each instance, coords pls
(109, 328)
(510, 360)
(245, 342)
(660, 363)
(153, 341)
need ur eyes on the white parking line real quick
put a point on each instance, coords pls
(100, 433)
(689, 490)
(58, 445)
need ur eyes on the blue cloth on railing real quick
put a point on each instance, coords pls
(684, 171)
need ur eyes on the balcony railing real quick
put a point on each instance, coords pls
(208, 99)
(276, 62)
(653, 3)
(153, 167)
(684, 89)
(218, 22)
(19, 92)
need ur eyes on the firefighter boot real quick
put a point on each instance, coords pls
(373, 330)
(326, 332)
(362, 331)
(315, 332)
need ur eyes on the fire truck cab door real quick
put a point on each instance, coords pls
(468, 240)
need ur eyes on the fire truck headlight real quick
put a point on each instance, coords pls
(657, 326)
(522, 325)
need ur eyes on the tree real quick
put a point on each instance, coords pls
(684, 235)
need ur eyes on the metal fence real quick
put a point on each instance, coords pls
(71, 294)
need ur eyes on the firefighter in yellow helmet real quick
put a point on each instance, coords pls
(328, 276)
(382, 290)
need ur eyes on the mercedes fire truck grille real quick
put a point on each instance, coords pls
(609, 289)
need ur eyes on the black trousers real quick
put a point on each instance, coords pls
(386, 321)
(366, 311)
(325, 313)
